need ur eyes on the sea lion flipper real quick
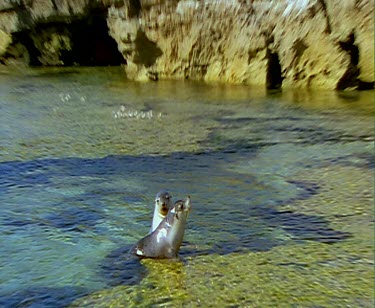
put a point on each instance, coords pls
(171, 254)
(135, 250)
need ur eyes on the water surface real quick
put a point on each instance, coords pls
(281, 184)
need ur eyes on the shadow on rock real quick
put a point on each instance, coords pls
(120, 267)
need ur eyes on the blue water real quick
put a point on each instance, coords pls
(77, 184)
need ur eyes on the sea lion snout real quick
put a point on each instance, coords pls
(188, 203)
(164, 209)
(181, 206)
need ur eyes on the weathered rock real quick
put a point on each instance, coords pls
(355, 16)
(299, 43)
(44, 9)
(16, 54)
(6, 5)
(256, 42)
(56, 32)
(9, 21)
(52, 43)
(5, 40)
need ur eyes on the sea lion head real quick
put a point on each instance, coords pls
(163, 202)
(181, 208)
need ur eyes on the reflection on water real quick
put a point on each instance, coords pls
(83, 152)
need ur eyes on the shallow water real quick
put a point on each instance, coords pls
(281, 184)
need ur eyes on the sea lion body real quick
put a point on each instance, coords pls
(166, 239)
(163, 202)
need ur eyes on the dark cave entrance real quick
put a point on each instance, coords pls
(351, 76)
(274, 79)
(91, 44)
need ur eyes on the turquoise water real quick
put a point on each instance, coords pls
(83, 153)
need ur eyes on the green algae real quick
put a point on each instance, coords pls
(287, 275)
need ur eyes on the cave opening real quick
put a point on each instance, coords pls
(351, 79)
(83, 42)
(21, 51)
(274, 77)
(91, 44)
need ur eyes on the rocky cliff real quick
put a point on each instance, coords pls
(56, 32)
(307, 43)
(300, 43)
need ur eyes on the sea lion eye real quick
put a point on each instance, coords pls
(157, 201)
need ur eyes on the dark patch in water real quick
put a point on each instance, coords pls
(132, 199)
(45, 297)
(244, 243)
(190, 250)
(362, 160)
(294, 264)
(18, 223)
(229, 146)
(301, 226)
(11, 178)
(260, 129)
(69, 219)
(307, 190)
(80, 218)
(120, 267)
(316, 134)
(87, 213)
(27, 88)
(74, 219)
(238, 122)
(224, 206)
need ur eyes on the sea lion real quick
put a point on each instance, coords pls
(166, 240)
(163, 202)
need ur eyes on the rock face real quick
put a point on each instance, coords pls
(277, 43)
(303, 43)
(56, 32)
